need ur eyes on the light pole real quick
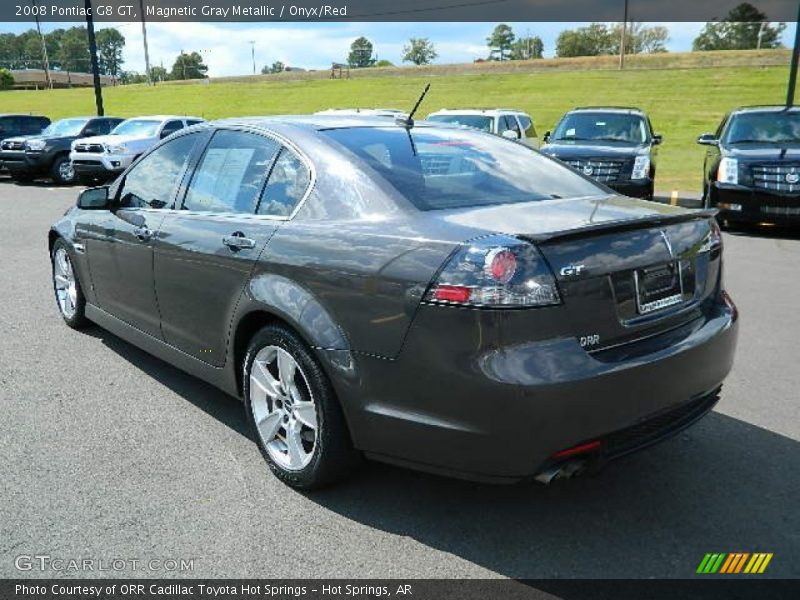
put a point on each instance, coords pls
(146, 51)
(98, 92)
(795, 57)
(253, 54)
(45, 60)
(622, 37)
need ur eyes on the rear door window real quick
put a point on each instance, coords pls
(231, 174)
(287, 184)
(170, 128)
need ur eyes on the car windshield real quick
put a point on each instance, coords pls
(65, 127)
(763, 128)
(137, 127)
(602, 127)
(474, 121)
(437, 168)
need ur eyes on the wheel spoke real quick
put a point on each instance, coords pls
(269, 425)
(265, 380)
(306, 413)
(62, 281)
(294, 447)
(286, 370)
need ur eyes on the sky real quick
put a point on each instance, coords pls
(226, 49)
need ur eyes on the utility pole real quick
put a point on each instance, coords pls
(795, 57)
(150, 80)
(253, 54)
(622, 38)
(98, 93)
(45, 60)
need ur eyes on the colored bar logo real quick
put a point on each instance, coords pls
(733, 563)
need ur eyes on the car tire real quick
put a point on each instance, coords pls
(70, 300)
(62, 172)
(295, 416)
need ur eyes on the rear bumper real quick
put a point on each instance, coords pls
(738, 204)
(468, 405)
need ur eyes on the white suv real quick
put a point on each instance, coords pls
(106, 156)
(509, 123)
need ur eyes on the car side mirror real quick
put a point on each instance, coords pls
(510, 134)
(708, 139)
(657, 139)
(96, 198)
(546, 137)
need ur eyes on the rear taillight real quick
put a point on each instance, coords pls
(495, 271)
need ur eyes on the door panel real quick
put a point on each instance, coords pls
(120, 245)
(207, 249)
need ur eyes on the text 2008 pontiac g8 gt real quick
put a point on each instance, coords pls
(430, 296)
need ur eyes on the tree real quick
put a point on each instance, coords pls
(110, 43)
(158, 73)
(593, 40)
(526, 48)
(500, 42)
(740, 30)
(189, 66)
(419, 51)
(73, 51)
(6, 79)
(640, 39)
(360, 53)
(384, 63)
(276, 67)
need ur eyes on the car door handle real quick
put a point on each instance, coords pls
(143, 234)
(237, 241)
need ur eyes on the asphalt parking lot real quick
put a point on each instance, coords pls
(110, 453)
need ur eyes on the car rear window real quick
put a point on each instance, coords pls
(452, 168)
(474, 121)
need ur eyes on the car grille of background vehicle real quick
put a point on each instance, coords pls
(601, 169)
(777, 178)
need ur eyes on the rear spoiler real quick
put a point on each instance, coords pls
(655, 220)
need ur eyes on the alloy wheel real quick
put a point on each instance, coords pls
(65, 284)
(66, 171)
(283, 408)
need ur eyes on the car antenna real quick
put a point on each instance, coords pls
(408, 122)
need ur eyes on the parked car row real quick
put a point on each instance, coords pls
(80, 149)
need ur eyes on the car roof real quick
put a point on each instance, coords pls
(630, 110)
(312, 122)
(360, 111)
(479, 111)
(163, 117)
(23, 115)
(766, 108)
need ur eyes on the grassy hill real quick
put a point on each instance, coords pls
(682, 102)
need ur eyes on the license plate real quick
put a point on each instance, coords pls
(658, 287)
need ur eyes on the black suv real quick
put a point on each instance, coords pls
(614, 145)
(752, 166)
(16, 125)
(47, 154)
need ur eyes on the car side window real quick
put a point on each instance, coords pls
(154, 179)
(231, 173)
(527, 126)
(191, 122)
(170, 128)
(286, 186)
(508, 123)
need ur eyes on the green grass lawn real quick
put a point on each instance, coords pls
(682, 103)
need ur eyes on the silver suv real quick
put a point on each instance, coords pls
(508, 123)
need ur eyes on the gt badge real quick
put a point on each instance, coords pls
(572, 270)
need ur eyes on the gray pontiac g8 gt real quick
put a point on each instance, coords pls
(429, 296)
